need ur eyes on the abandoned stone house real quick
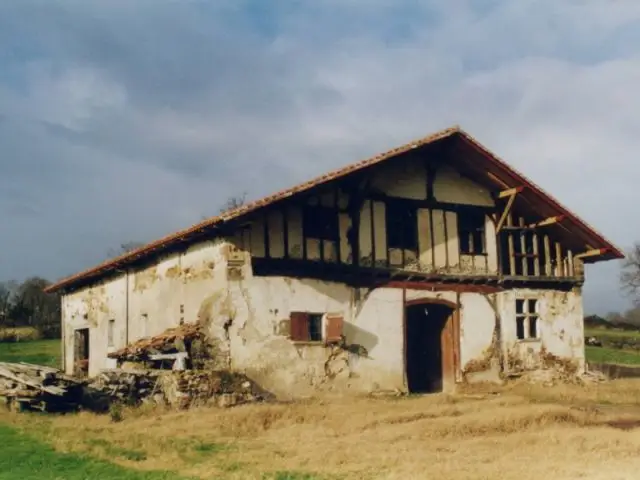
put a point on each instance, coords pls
(425, 266)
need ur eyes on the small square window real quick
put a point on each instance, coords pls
(527, 319)
(309, 327)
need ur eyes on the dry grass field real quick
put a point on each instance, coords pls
(518, 432)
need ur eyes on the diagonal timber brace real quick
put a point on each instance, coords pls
(511, 193)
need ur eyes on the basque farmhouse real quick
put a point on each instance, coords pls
(432, 264)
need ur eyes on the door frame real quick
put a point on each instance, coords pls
(450, 341)
(81, 334)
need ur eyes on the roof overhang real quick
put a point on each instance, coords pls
(476, 157)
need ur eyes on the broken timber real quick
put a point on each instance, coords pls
(27, 385)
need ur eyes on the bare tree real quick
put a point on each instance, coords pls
(630, 275)
(234, 202)
(124, 248)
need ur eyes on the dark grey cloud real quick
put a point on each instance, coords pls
(126, 120)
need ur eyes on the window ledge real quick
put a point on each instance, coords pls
(529, 340)
(309, 343)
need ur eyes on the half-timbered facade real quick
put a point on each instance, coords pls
(425, 266)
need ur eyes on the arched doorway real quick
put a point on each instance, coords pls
(430, 345)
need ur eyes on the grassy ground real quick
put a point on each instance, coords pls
(41, 352)
(612, 355)
(24, 457)
(519, 432)
(607, 332)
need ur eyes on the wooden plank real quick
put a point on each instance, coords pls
(425, 240)
(4, 372)
(559, 266)
(453, 247)
(536, 262)
(439, 239)
(523, 249)
(512, 251)
(505, 213)
(510, 192)
(547, 256)
(380, 232)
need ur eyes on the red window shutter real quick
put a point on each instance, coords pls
(299, 326)
(334, 328)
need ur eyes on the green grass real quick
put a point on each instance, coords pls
(40, 352)
(606, 332)
(612, 355)
(25, 458)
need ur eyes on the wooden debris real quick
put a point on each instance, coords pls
(35, 385)
(172, 340)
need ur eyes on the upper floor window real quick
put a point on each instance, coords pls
(320, 222)
(527, 318)
(402, 225)
(111, 332)
(471, 232)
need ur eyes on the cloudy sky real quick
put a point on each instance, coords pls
(123, 120)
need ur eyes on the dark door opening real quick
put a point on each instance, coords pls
(81, 352)
(429, 349)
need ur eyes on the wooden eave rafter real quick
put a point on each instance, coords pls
(547, 221)
(510, 192)
(591, 253)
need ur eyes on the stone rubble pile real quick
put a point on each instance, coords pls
(180, 389)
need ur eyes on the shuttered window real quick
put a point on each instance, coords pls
(299, 326)
(307, 327)
(334, 328)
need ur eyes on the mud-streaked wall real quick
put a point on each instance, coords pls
(142, 303)
(249, 317)
(560, 329)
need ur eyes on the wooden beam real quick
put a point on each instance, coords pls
(510, 192)
(592, 253)
(497, 180)
(506, 211)
(547, 221)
